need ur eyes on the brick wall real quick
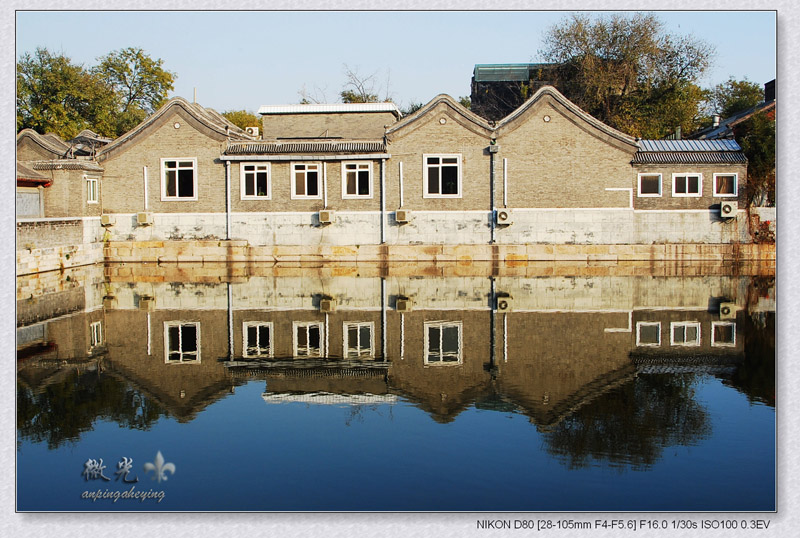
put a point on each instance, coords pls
(359, 125)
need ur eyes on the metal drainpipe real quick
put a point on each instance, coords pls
(227, 200)
(491, 197)
(383, 201)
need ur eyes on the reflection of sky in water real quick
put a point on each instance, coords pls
(589, 393)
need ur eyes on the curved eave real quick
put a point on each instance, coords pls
(43, 142)
(280, 148)
(176, 103)
(463, 116)
(66, 164)
(513, 120)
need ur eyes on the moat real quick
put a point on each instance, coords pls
(439, 387)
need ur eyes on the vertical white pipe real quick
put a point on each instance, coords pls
(402, 336)
(230, 323)
(505, 182)
(383, 201)
(505, 337)
(327, 333)
(227, 199)
(148, 333)
(384, 306)
(325, 184)
(144, 177)
(401, 183)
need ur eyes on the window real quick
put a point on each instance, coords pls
(687, 184)
(255, 181)
(179, 179)
(648, 333)
(306, 180)
(95, 334)
(357, 180)
(91, 190)
(442, 176)
(649, 185)
(307, 339)
(182, 341)
(723, 333)
(443, 343)
(257, 339)
(358, 342)
(685, 333)
(725, 185)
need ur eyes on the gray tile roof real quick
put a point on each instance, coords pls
(24, 172)
(689, 152)
(327, 146)
(688, 145)
(66, 164)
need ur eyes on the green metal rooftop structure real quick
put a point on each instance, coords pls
(507, 72)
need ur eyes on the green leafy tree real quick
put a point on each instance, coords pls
(56, 95)
(242, 118)
(756, 136)
(139, 82)
(734, 96)
(465, 101)
(615, 66)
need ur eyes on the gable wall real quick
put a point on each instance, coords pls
(368, 125)
(559, 164)
(123, 178)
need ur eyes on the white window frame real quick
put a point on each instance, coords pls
(367, 165)
(96, 334)
(164, 197)
(259, 167)
(246, 325)
(425, 157)
(296, 196)
(181, 360)
(442, 325)
(687, 175)
(735, 185)
(346, 326)
(673, 325)
(714, 325)
(660, 185)
(639, 325)
(306, 324)
(92, 190)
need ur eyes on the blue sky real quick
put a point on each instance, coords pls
(241, 60)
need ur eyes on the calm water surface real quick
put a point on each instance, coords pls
(592, 391)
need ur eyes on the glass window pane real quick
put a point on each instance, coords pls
(723, 334)
(313, 337)
(433, 181)
(433, 160)
(261, 184)
(312, 183)
(363, 183)
(680, 185)
(649, 334)
(364, 336)
(679, 334)
(450, 340)
(263, 336)
(725, 185)
(172, 187)
(249, 185)
(691, 333)
(186, 183)
(299, 184)
(352, 337)
(302, 337)
(351, 183)
(173, 337)
(188, 338)
(252, 336)
(185, 164)
(650, 185)
(694, 185)
(449, 180)
(433, 339)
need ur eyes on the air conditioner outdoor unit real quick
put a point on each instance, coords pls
(147, 302)
(728, 210)
(327, 305)
(505, 303)
(727, 311)
(504, 216)
(252, 131)
(144, 218)
(326, 216)
(109, 301)
(403, 304)
(402, 215)
(106, 220)
(494, 148)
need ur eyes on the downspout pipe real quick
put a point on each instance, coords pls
(383, 201)
(227, 200)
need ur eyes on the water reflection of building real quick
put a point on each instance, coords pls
(541, 345)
